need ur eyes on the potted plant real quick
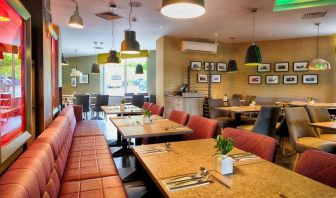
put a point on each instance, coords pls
(147, 116)
(310, 100)
(253, 102)
(223, 163)
(122, 104)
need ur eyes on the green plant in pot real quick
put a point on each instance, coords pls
(122, 104)
(253, 102)
(147, 116)
(310, 100)
(223, 163)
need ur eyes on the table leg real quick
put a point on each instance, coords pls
(237, 119)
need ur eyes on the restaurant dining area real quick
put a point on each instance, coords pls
(167, 98)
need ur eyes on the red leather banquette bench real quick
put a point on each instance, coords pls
(70, 158)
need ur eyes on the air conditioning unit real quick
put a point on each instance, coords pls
(199, 47)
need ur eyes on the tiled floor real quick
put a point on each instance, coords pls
(138, 188)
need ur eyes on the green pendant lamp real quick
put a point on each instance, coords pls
(139, 69)
(130, 45)
(253, 54)
(76, 20)
(318, 63)
(64, 62)
(112, 57)
(4, 14)
(183, 9)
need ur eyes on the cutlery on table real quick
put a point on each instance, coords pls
(168, 146)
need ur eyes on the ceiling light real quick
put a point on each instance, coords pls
(4, 15)
(183, 9)
(75, 73)
(64, 62)
(95, 69)
(130, 45)
(76, 20)
(318, 63)
(232, 66)
(253, 55)
(112, 57)
(139, 69)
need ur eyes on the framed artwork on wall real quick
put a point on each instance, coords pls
(300, 66)
(272, 79)
(221, 67)
(265, 67)
(202, 78)
(281, 67)
(290, 79)
(207, 64)
(215, 78)
(195, 65)
(73, 82)
(256, 79)
(310, 79)
(84, 79)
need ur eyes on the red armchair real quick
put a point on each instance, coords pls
(179, 117)
(157, 109)
(203, 128)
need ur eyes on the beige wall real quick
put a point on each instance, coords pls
(84, 65)
(151, 71)
(172, 64)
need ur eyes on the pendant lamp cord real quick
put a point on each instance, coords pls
(254, 10)
(112, 35)
(318, 39)
(129, 16)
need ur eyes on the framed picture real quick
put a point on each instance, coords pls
(281, 67)
(195, 65)
(202, 78)
(84, 79)
(272, 79)
(300, 66)
(207, 64)
(310, 79)
(265, 67)
(221, 67)
(290, 79)
(215, 78)
(73, 82)
(254, 79)
(73, 69)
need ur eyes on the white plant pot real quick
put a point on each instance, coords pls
(224, 165)
(253, 104)
(147, 120)
(311, 102)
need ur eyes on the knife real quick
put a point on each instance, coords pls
(200, 183)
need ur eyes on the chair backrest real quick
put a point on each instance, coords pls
(247, 99)
(179, 117)
(114, 100)
(266, 121)
(93, 98)
(152, 99)
(237, 96)
(144, 94)
(261, 145)
(234, 102)
(83, 100)
(129, 94)
(319, 166)
(319, 114)
(157, 109)
(102, 100)
(138, 100)
(213, 104)
(203, 128)
(147, 105)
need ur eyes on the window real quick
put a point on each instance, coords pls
(121, 78)
(12, 81)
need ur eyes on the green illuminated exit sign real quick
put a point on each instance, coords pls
(281, 5)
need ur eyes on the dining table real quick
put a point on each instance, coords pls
(327, 105)
(239, 110)
(253, 177)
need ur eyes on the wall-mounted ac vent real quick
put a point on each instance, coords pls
(314, 15)
(199, 47)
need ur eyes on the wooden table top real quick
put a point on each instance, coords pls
(325, 125)
(253, 178)
(305, 103)
(133, 127)
(129, 109)
(240, 109)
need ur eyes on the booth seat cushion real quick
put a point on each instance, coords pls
(70, 115)
(105, 187)
(90, 128)
(305, 143)
(330, 137)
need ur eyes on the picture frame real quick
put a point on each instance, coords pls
(222, 67)
(202, 78)
(207, 64)
(216, 78)
(195, 65)
(290, 79)
(84, 79)
(254, 79)
(73, 82)
(310, 79)
(281, 67)
(265, 67)
(300, 66)
(272, 79)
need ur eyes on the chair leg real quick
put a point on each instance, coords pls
(297, 157)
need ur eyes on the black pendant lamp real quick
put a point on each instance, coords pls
(232, 64)
(112, 57)
(64, 62)
(130, 45)
(139, 69)
(253, 54)
(95, 69)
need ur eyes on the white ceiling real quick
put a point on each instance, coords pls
(227, 18)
